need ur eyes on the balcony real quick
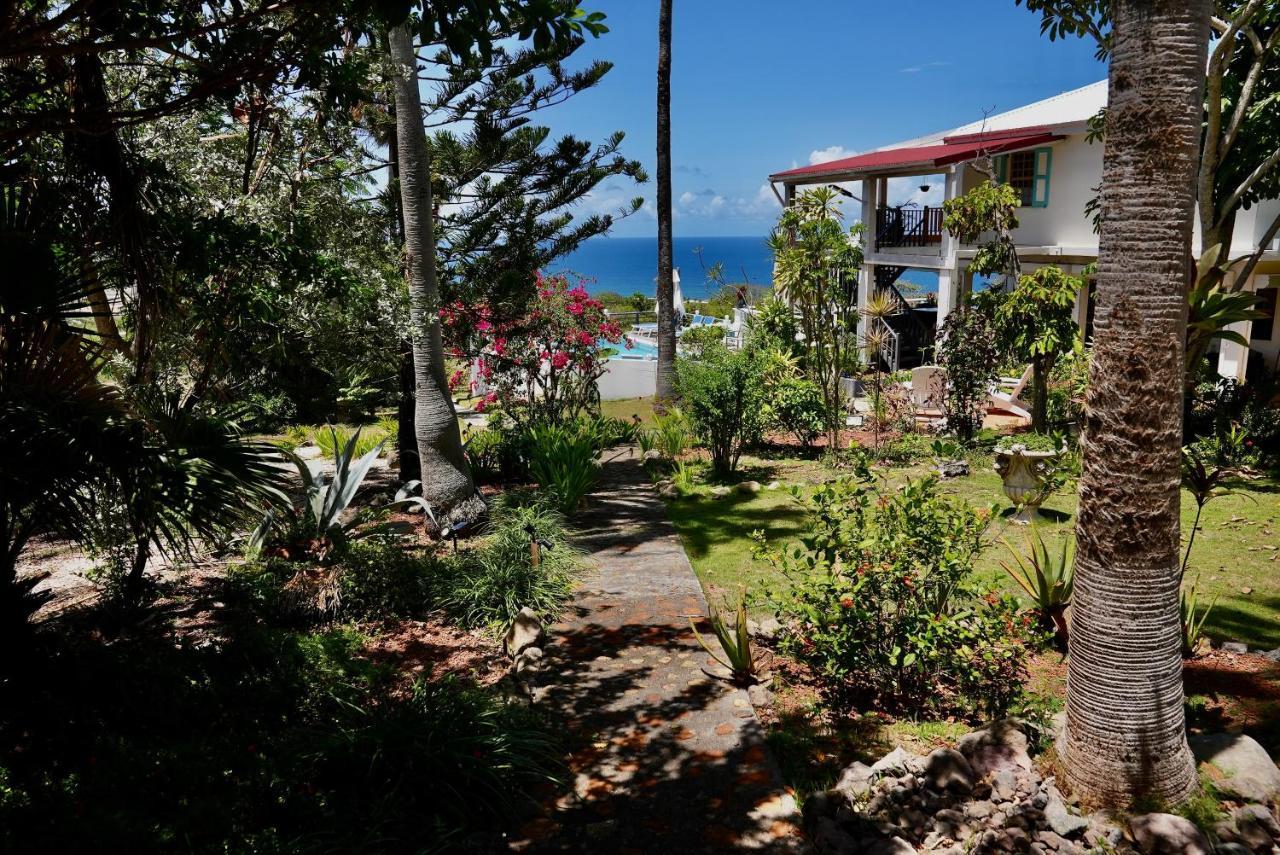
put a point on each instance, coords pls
(908, 227)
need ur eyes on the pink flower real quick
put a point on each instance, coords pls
(576, 309)
(483, 325)
(560, 360)
(499, 346)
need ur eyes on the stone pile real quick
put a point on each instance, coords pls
(985, 796)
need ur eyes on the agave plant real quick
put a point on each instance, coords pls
(1048, 579)
(323, 520)
(1193, 619)
(735, 643)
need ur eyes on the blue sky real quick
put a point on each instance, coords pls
(759, 86)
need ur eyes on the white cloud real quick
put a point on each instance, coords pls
(905, 190)
(915, 69)
(828, 154)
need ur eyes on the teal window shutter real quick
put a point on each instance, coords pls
(1040, 183)
(1002, 169)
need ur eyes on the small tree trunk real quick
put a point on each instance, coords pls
(1126, 734)
(406, 436)
(446, 479)
(1039, 393)
(666, 374)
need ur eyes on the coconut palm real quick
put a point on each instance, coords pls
(446, 479)
(1126, 734)
(666, 288)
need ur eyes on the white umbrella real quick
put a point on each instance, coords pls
(677, 295)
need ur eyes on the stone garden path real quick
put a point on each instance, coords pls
(665, 756)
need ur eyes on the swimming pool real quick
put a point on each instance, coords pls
(638, 350)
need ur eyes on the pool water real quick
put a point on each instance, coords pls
(639, 350)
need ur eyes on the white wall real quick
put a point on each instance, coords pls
(628, 378)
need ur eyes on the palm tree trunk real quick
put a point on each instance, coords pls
(446, 479)
(1126, 733)
(666, 288)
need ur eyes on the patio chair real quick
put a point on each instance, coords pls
(1007, 395)
(928, 384)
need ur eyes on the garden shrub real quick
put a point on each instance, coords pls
(967, 350)
(695, 340)
(723, 395)
(797, 406)
(882, 607)
(263, 741)
(491, 583)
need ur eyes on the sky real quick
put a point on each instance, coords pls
(759, 86)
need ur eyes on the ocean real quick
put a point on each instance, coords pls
(630, 265)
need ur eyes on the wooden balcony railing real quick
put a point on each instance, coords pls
(908, 227)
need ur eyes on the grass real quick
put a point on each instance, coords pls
(1236, 548)
(627, 407)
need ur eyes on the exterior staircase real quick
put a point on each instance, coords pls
(911, 332)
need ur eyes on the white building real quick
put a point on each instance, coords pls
(1042, 149)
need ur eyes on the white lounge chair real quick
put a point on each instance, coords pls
(1008, 395)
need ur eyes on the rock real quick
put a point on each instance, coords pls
(525, 631)
(953, 468)
(308, 452)
(1232, 849)
(669, 492)
(1004, 783)
(885, 846)
(998, 745)
(1061, 820)
(528, 662)
(767, 629)
(773, 485)
(652, 454)
(946, 768)
(1246, 591)
(1235, 646)
(855, 780)
(979, 810)
(822, 804)
(1273, 655)
(749, 488)
(1247, 771)
(896, 762)
(830, 838)
(720, 492)
(1166, 834)
(1256, 826)
(760, 695)
(663, 484)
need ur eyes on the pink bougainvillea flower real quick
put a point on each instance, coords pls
(560, 360)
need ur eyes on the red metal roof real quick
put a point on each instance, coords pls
(951, 150)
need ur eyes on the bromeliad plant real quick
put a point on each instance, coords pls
(735, 643)
(1048, 579)
(1193, 618)
(562, 460)
(324, 523)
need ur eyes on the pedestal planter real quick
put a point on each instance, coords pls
(1024, 475)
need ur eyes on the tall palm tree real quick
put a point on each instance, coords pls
(446, 478)
(666, 288)
(1126, 733)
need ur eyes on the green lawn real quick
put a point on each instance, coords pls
(1236, 548)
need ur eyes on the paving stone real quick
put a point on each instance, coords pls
(696, 776)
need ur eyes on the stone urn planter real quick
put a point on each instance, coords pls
(1024, 474)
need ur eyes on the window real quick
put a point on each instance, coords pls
(1028, 173)
(1260, 329)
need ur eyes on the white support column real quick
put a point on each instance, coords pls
(949, 275)
(1233, 358)
(866, 276)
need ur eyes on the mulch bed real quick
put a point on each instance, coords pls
(433, 650)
